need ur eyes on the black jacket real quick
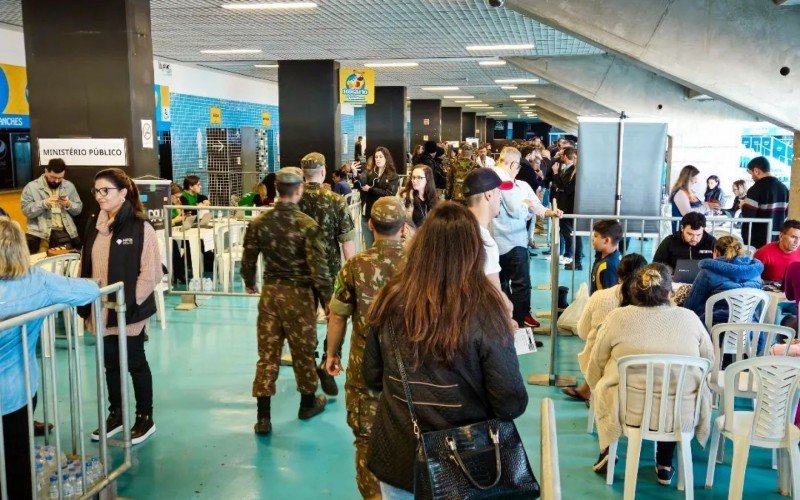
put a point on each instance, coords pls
(484, 383)
(768, 198)
(563, 187)
(528, 174)
(124, 263)
(439, 174)
(673, 249)
(385, 185)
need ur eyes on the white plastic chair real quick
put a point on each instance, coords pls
(775, 381)
(673, 372)
(742, 305)
(228, 251)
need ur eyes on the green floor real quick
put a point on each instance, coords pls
(205, 447)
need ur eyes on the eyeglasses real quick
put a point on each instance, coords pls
(102, 191)
(417, 177)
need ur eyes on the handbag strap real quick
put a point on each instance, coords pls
(403, 375)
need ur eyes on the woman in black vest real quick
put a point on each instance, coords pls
(121, 245)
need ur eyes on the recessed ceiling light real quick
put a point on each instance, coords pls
(458, 97)
(520, 100)
(269, 6)
(523, 96)
(408, 64)
(499, 62)
(508, 87)
(471, 101)
(265, 65)
(479, 106)
(434, 89)
(525, 46)
(517, 80)
(231, 51)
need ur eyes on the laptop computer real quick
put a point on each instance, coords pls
(685, 271)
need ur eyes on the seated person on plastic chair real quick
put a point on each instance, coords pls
(606, 235)
(777, 255)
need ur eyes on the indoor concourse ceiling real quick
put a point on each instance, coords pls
(433, 33)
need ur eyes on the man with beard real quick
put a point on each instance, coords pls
(50, 204)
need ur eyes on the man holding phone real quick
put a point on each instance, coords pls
(50, 204)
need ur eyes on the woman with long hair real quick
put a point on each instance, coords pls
(121, 245)
(381, 181)
(269, 182)
(684, 200)
(24, 289)
(455, 338)
(419, 196)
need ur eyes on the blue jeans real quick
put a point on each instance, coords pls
(389, 492)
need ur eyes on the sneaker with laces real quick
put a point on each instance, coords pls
(143, 428)
(113, 425)
(664, 474)
(531, 321)
(565, 260)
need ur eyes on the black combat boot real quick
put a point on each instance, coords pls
(326, 380)
(263, 425)
(562, 297)
(311, 405)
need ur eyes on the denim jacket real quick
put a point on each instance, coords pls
(35, 194)
(35, 290)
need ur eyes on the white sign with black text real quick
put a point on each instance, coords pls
(524, 342)
(89, 152)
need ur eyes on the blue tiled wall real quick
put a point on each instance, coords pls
(359, 123)
(348, 128)
(191, 114)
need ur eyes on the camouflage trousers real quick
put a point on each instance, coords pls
(361, 409)
(286, 312)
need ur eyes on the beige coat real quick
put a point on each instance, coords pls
(634, 330)
(597, 308)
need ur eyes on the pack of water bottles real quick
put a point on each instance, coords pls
(71, 473)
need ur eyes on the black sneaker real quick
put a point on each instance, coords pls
(572, 266)
(664, 474)
(113, 425)
(327, 382)
(311, 411)
(263, 426)
(142, 429)
(601, 466)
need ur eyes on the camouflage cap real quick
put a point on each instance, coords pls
(312, 162)
(388, 210)
(289, 175)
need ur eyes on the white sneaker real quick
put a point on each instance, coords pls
(564, 260)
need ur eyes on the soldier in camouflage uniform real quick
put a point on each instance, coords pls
(356, 286)
(459, 168)
(330, 212)
(295, 268)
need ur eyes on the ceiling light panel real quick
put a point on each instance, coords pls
(440, 88)
(267, 6)
(492, 63)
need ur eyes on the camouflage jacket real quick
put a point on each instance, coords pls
(356, 286)
(292, 249)
(458, 170)
(330, 212)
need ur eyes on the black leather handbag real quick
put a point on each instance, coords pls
(481, 460)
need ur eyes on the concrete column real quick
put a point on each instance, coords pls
(309, 108)
(426, 120)
(386, 124)
(794, 191)
(481, 127)
(451, 124)
(490, 122)
(90, 74)
(468, 122)
(697, 44)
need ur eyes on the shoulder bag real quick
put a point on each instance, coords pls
(477, 461)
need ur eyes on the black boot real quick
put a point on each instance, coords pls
(113, 424)
(311, 405)
(143, 428)
(562, 297)
(326, 380)
(263, 425)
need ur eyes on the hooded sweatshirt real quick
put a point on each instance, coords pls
(673, 248)
(718, 275)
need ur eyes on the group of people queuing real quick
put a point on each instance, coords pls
(117, 244)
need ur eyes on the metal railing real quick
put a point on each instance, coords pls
(49, 391)
(548, 446)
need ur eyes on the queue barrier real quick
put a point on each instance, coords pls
(106, 483)
(548, 448)
(645, 228)
(216, 234)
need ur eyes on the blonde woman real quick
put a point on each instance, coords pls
(729, 268)
(24, 289)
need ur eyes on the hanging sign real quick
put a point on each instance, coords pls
(265, 119)
(356, 86)
(88, 152)
(216, 115)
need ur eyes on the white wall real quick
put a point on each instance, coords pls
(12, 45)
(204, 82)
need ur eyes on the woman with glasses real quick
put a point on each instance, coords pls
(419, 197)
(121, 245)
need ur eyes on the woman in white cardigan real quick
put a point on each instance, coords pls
(597, 308)
(652, 325)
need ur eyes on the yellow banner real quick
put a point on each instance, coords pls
(265, 119)
(216, 115)
(356, 86)
(13, 90)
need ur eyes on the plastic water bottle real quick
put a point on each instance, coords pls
(77, 481)
(52, 490)
(68, 490)
(208, 285)
(39, 475)
(194, 285)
